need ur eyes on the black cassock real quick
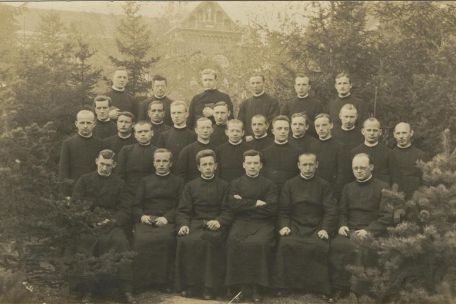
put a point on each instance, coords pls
(280, 163)
(155, 246)
(187, 168)
(261, 143)
(251, 241)
(382, 159)
(219, 136)
(175, 139)
(349, 139)
(200, 255)
(306, 206)
(230, 158)
(116, 143)
(104, 129)
(302, 144)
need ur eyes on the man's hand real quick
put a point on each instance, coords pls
(208, 112)
(213, 225)
(237, 196)
(114, 113)
(103, 222)
(260, 203)
(323, 234)
(361, 234)
(343, 230)
(285, 231)
(147, 219)
(161, 221)
(248, 138)
(184, 230)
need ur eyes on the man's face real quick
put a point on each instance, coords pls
(124, 124)
(204, 129)
(159, 88)
(361, 168)
(259, 126)
(221, 114)
(85, 124)
(120, 79)
(323, 127)
(179, 114)
(256, 84)
(102, 110)
(302, 86)
(343, 85)
(403, 135)
(348, 118)
(156, 113)
(162, 162)
(104, 166)
(299, 126)
(209, 81)
(234, 132)
(207, 166)
(307, 165)
(252, 165)
(371, 131)
(281, 129)
(143, 133)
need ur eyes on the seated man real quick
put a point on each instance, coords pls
(260, 139)
(300, 139)
(361, 213)
(155, 238)
(107, 191)
(202, 221)
(307, 213)
(251, 241)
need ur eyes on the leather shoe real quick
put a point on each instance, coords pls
(256, 296)
(207, 295)
(87, 299)
(129, 298)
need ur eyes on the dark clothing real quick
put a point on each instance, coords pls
(230, 158)
(115, 143)
(155, 246)
(200, 255)
(207, 98)
(348, 140)
(158, 130)
(219, 137)
(77, 157)
(122, 100)
(302, 144)
(382, 159)
(187, 167)
(175, 140)
(335, 104)
(280, 163)
(104, 129)
(310, 105)
(408, 175)
(144, 109)
(260, 144)
(251, 240)
(263, 104)
(135, 162)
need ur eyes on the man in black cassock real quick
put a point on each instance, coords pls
(202, 221)
(78, 152)
(221, 114)
(106, 191)
(250, 246)
(124, 136)
(121, 99)
(379, 154)
(260, 139)
(406, 156)
(104, 127)
(159, 89)
(307, 214)
(303, 102)
(187, 168)
(154, 214)
(300, 138)
(202, 105)
(281, 157)
(156, 115)
(259, 103)
(361, 213)
(230, 154)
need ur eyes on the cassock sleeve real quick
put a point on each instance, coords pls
(241, 114)
(230, 107)
(340, 172)
(239, 205)
(79, 190)
(191, 113)
(271, 199)
(226, 215)
(385, 218)
(330, 210)
(171, 214)
(343, 208)
(124, 208)
(182, 162)
(285, 110)
(285, 206)
(185, 208)
(274, 110)
(138, 209)
(122, 162)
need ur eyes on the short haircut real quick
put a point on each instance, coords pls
(85, 112)
(343, 74)
(359, 155)
(142, 123)
(106, 154)
(159, 78)
(128, 114)
(101, 98)
(120, 68)
(372, 119)
(163, 150)
(154, 102)
(209, 72)
(258, 75)
(221, 104)
(260, 116)
(201, 119)
(234, 122)
(323, 115)
(301, 114)
(280, 117)
(308, 154)
(403, 122)
(302, 75)
(348, 107)
(252, 152)
(205, 153)
(179, 103)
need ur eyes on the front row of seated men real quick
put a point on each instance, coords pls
(246, 236)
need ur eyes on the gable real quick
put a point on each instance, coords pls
(209, 15)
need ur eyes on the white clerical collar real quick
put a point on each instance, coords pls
(167, 173)
(259, 94)
(144, 145)
(235, 144)
(180, 127)
(370, 145)
(117, 89)
(306, 177)
(156, 124)
(102, 175)
(155, 96)
(299, 136)
(85, 136)
(262, 136)
(344, 96)
(400, 147)
(220, 124)
(210, 89)
(206, 142)
(124, 137)
(365, 180)
(325, 139)
(208, 178)
(254, 176)
(302, 97)
(345, 129)
(280, 143)
(106, 120)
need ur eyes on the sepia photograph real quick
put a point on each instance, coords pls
(221, 152)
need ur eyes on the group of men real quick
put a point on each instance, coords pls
(210, 203)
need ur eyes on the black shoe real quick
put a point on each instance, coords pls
(87, 298)
(188, 293)
(207, 294)
(129, 298)
(256, 296)
(283, 292)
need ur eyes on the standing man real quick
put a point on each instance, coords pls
(159, 89)
(78, 152)
(260, 139)
(104, 127)
(259, 103)
(202, 105)
(300, 138)
(156, 115)
(121, 100)
(221, 114)
(124, 135)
